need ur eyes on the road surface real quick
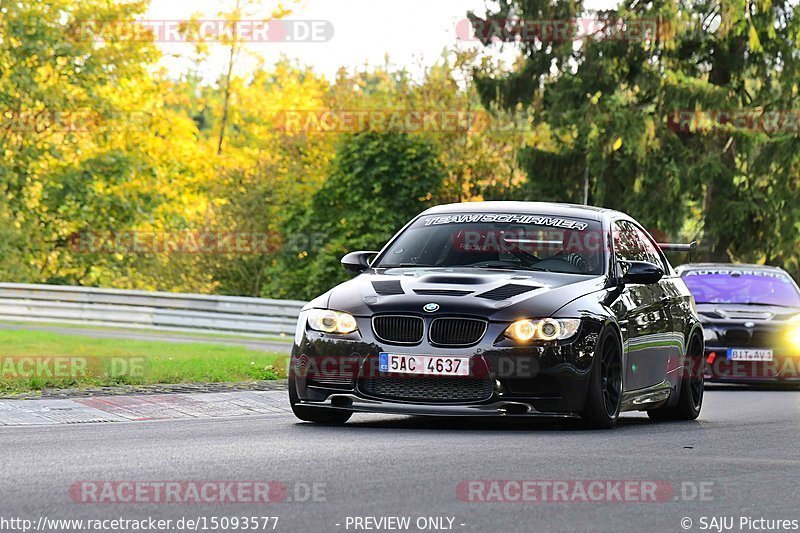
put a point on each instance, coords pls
(740, 459)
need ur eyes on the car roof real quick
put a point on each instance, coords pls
(533, 208)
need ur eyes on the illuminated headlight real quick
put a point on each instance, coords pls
(548, 329)
(709, 335)
(794, 332)
(331, 321)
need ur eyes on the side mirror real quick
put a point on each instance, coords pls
(357, 262)
(642, 273)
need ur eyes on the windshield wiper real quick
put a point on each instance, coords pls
(504, 266)
(406, 265)
(499, 266)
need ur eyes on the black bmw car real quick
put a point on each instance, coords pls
(751, 318)
(507, 309)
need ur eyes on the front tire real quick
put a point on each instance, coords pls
(318, 415)
(690, 398)
(604, 397)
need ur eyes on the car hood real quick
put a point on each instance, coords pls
(738, 313)
(494, 294)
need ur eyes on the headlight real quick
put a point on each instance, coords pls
(709, 335)
(548, 329)
(331, 321)
(794, 332)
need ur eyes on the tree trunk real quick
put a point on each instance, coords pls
(224, 121)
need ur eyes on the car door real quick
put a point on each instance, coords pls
(673, 313)
(643, 312)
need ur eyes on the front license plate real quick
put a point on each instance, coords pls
(741, 354)
(423, 364)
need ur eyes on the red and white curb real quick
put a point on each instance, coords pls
(142, 407)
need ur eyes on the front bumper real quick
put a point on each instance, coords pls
(543, 379)
(725, 335)
(784, 368)
(499, 407)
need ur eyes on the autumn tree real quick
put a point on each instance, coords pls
(377, 182)
(611, 98)
(89, 148)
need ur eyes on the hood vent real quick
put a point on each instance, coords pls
(744, 314)
(442, 292)
(506, 291)
(453, 279)
(388, 287)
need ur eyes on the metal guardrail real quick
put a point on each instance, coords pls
(168, 311)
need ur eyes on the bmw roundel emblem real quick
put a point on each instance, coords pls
(431, 308)
(749, 324)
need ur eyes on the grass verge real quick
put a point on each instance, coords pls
(173, 333)
(36, 360)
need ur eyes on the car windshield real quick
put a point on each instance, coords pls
(752, 287)
(499, 241)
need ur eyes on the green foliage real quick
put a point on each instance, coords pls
(610, 105)
(97, 140)
(89, 148)
(378, 181)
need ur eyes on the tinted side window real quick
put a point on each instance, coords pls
(626, 243)
(650, 249)
(631, 244)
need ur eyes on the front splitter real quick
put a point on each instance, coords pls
(501, 408)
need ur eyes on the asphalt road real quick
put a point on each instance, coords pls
(744, 453)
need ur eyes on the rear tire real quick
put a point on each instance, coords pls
(318, 415)
(604, 397)
(690, 398)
